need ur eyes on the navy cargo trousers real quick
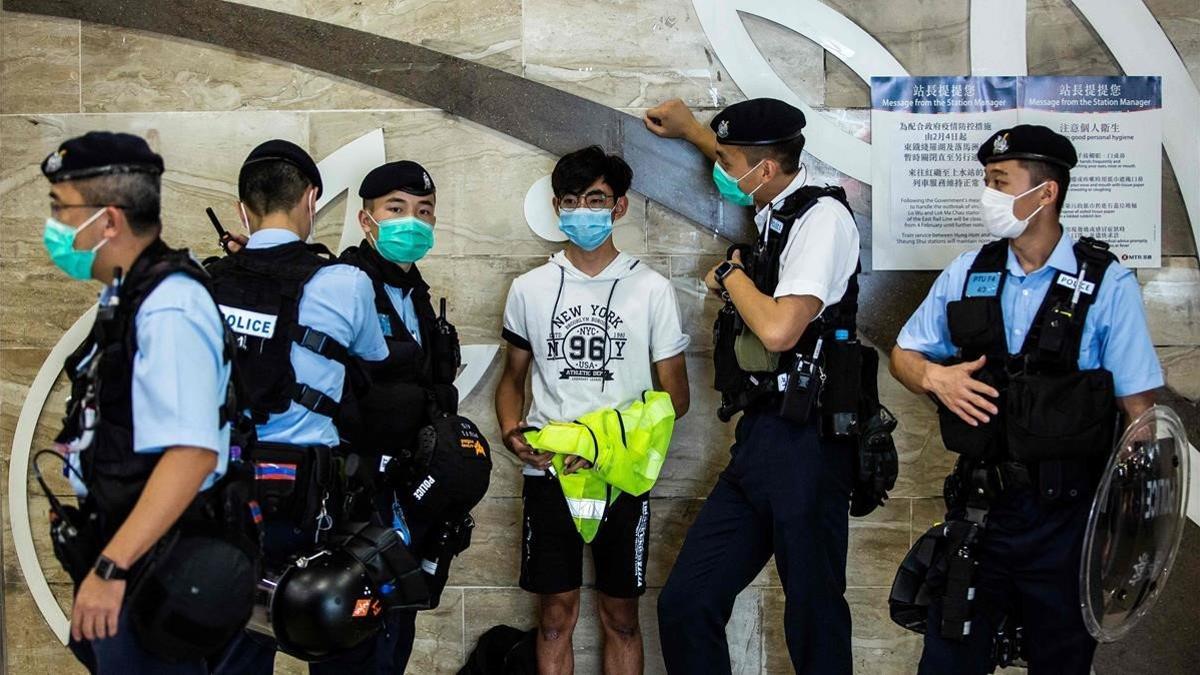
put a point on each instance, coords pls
(785, 492)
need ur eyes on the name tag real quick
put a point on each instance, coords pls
(1087, 288)
(245, 322)
(776, 226)
(385, 324)
(983, 284)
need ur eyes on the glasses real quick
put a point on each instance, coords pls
(592, 200)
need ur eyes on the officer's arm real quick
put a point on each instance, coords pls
(673, 119)
(1135, 404)
(778, 322)
(672, 378)
(173, 484)
(953, 385)
(908, 367)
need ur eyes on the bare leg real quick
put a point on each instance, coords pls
(622, 635)
(557, 616)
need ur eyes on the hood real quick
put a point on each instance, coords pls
(623, 266)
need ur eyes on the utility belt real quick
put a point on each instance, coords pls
(1070, 416)
(749, 378)
(296, 484)
(836, 382)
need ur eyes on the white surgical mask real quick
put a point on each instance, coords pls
(996, 209)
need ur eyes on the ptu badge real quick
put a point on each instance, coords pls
(983, 285)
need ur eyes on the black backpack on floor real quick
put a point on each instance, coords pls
(503, 650)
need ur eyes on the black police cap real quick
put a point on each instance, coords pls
(279, 150)
(405, 176)
(1031, 142)
(101, 153)
(759, 121)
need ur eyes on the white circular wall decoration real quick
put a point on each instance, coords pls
(539, 212)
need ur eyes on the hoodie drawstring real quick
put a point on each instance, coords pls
(607, 311)
(562, 282)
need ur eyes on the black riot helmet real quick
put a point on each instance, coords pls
(329, 602)
(908, 602)
(325, 607)
(447, 473)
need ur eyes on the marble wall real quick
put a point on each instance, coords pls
(204, 108)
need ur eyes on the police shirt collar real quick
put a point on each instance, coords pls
(271, 237)
(764, 214)
(1062, 258)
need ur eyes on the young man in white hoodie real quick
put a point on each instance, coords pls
(599, 327)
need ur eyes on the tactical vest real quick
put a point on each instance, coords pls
(436, 359)
(101, 375)
(416, 380)
(259, 292)
(741, 389)
(1049, 409)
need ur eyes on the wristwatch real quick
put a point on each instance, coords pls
(108, 570)
(725, 269)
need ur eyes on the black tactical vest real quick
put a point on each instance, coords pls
(259, 293)
(101, 375)
(739, 388)
(436, 359)
(1049, 409)
(416, 379)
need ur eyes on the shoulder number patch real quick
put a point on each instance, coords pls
(983, 284)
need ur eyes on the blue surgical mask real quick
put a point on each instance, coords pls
(586, 228)
(59, 239)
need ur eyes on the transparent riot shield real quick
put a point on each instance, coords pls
(1135, 524)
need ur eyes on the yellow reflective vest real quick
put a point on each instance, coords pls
(626, 448)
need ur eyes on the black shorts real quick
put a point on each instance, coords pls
(552, 549)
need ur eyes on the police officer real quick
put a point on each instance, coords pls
(145, 432)
(1030, 346)
(300, 320)
(397, 219)
(786, 489)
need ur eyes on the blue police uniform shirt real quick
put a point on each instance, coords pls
(402, 301)
(1115, 335)
(179, 374)
(339, 301)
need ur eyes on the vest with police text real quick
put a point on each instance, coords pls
(259, 292)
(101, 375)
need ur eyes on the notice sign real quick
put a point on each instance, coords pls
(926, 180)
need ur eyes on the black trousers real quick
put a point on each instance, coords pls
(785, 492)
(1028, 567)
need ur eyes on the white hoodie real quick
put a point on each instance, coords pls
(593, 339)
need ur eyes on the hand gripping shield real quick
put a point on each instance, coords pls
(1135, 524)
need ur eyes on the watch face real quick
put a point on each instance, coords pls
(107, 569)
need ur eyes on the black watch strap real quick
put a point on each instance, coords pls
(725, 269)
(110, 571)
